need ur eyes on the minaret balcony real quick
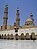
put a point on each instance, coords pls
(5, 17)
(18, 19)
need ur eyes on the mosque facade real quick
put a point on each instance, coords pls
(28, 31)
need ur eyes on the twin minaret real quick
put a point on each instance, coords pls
(5, 17)
(17, 23)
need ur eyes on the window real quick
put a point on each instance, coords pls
(16, 29)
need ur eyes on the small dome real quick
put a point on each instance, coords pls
(29, 19)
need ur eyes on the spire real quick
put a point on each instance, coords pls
(31, 15)
(17, 13)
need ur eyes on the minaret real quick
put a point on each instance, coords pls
(5, 18)
(17, 18)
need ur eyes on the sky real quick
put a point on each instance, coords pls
(25, 8)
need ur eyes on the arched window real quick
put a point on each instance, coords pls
(16, 36)
(11, 37)
(22, 36)
(5, 36)
(33, 36)
(27, 36)
(8, 36)
(2, 36)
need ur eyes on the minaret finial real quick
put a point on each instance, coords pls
(6, 5)
(31, 16)
(17, 11)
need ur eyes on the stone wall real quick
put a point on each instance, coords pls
(21, 34)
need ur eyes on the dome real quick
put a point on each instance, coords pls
(29, 22)
(29, 19)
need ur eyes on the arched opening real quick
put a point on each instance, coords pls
(22, 37)
(2, 36)
(16, 36)
(33, 36)
(11, 37)
(27, 36)
(5, 36)
(8, 36)
(36, 37)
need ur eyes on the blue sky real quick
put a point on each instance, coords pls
(25, 7)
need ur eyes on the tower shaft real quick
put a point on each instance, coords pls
(17, 18)
(5, 17)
